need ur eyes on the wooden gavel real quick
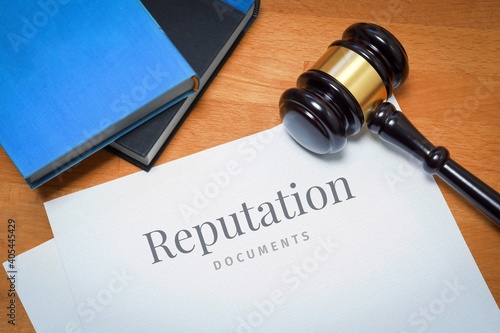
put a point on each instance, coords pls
(349, 85)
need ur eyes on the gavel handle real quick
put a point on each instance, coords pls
(471, 187)
(393, 126)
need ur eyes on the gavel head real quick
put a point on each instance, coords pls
(334, 97)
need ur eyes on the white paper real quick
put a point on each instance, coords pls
(386, 257)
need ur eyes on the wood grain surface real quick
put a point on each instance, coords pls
(452, 95)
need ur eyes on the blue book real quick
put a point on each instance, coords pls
(76, 75)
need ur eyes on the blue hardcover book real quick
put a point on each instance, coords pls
(78, 74)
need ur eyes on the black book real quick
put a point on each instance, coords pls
(205, 32)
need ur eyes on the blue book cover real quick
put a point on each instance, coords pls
(78, 74)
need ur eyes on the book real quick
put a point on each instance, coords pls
(205, 32)
(238, 239)
(79, 74)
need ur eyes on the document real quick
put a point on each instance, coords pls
(260, 235)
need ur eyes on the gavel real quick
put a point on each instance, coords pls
(349, 85)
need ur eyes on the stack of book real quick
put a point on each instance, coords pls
(83, 75)
(205, 32)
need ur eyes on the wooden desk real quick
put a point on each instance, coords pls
(452, 95)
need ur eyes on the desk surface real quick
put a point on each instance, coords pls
(452, 96)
